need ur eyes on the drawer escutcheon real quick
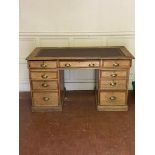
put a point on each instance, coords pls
(113, 83)
(44, 76)
(91, 65)
(43, 65)
(45, 85)
(112, 98)
(67, 65)
(114, 75)
(115, 64)
(46, 98)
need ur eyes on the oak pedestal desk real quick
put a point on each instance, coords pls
(46, 73)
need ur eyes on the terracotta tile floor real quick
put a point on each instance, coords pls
(78, 130)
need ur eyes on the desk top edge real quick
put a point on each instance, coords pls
(33, 54)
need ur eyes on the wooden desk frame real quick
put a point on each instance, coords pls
(46, 74)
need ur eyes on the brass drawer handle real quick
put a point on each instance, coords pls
(43, 65)
(112, 83)
(45, 85)
(115, 64)
(67, 65)
(113, 75)
(46, 98)
(91, 65)
(44, 76)
(112, 98)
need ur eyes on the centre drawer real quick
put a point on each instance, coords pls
(112, 98)
(45, 98)
(44, 85)
(44, 75)
(79, 64)
(42, 64)
(114, 74)
(113, 84)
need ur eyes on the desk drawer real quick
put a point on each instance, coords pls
(42, 64)
(69, 64)
(113, 84)
(43, 75)
(114, 74)
(44, 85)
(116, 63)
(112, 98)
(45, 98)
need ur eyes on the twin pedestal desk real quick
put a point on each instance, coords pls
(46, 72)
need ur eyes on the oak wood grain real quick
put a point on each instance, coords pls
(88, 64)
(112, 98)
(45, 85)
(45, 99)
(113, 84)
(116, 64)
(114, 74)
(43, 75)
(46, 73)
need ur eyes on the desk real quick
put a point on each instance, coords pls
(46, 73)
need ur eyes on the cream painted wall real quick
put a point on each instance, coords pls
(74, 23)
(76, 15)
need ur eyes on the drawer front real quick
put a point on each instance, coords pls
(114, 74)
(44, 85)
(112, 98)
(43, 75)
(79, 64)
(116, 63)
(45, 98)
(42, 64)
(113, 84)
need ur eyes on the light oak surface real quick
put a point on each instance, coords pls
(45, 98)
(113, 84)
(112, 98)
(46, 73)
(43, 64)
(87, 64)
(116, 64)
(45, 85)
(114, 74)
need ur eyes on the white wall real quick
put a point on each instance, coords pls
(74, 23)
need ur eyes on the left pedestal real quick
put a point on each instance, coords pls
(45, 86)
